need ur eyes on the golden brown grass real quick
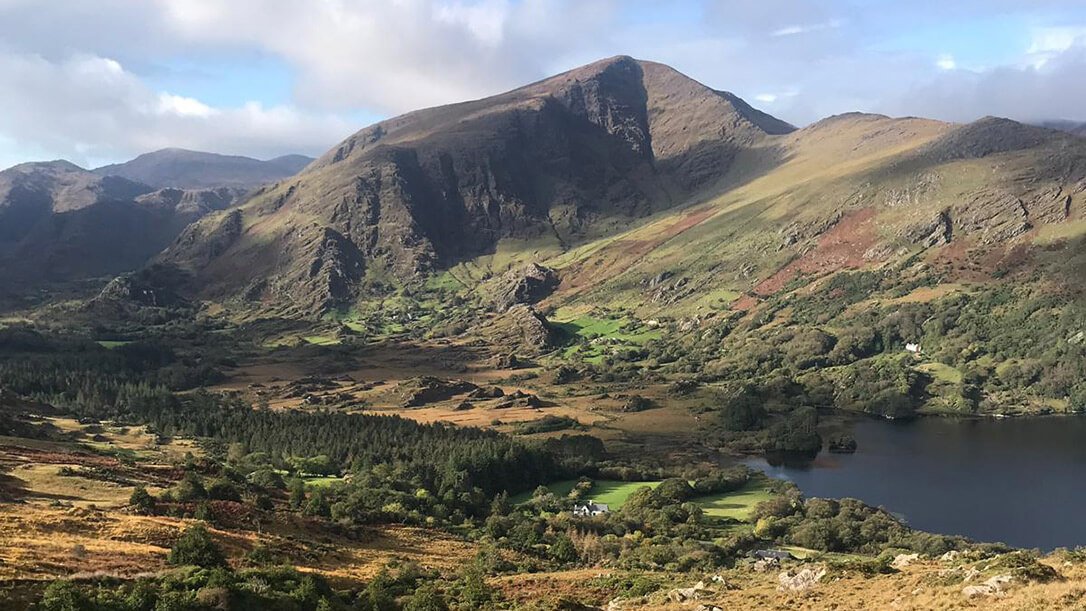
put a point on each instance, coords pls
(922, 586)
(41, 542)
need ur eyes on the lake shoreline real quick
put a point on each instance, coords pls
(1014, 480)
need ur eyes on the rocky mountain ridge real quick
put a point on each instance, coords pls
(185, 169)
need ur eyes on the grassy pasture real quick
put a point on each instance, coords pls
(942, 372)
(322, 481)
(111, 344)
(736, 505)
(614, 494)
(321, 340)
(616, 330)
(609, 492)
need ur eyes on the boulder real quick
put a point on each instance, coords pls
(524, 286)
(903, 560)
(766, 564)
(523, 329)
(935, 232)
(487, 392)
(698, 591)
(802, 581)
(426, 389)
(993, 586)
(509, 361)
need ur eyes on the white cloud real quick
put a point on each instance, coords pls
(77, 75)
(485, 20)
(1048, 43)
(792, 30)
(1054, 90)
(398, 56)
(169, 103)
(90, 109)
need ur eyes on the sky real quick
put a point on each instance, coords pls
(99, 82)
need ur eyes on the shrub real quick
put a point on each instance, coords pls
(223, 490)
(267, 479)
(195, 547)
(563, 550)
(142, 501)
(474, 591)
(62, 596)
(426, 598)
(190, 488)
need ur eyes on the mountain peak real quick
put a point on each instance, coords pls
(618, 89)
(55, 166)
(992, 135)
(555, 160)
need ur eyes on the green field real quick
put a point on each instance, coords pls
(321, 340)
(322, 481)
(942, 372)
(111, 344)
(737, 505)
(588, 328)
(614, 494)
(559, 489)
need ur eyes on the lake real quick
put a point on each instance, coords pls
(1018, 481)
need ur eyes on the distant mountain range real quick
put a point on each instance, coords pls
(59, 222)
(185, 169)
(1071, 127)
(633, 181)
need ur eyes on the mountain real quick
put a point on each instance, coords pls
(185, 169)
(620, 173)
(1072, 127)
(562, 161)
(59, 222)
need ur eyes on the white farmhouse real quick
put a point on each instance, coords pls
(911, 347)
(591, 508)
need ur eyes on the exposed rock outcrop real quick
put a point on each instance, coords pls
(421, 391)
(523, 329)
(525, 285)
(993, 586)
(936, 232)
(993, 217)
(801, 581)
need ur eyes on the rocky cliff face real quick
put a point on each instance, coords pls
(570, 157)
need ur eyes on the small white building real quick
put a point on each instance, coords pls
(911, 347)
(589, 509)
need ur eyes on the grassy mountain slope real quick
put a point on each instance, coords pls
(855, 192)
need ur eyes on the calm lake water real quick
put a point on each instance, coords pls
(1019, 481)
